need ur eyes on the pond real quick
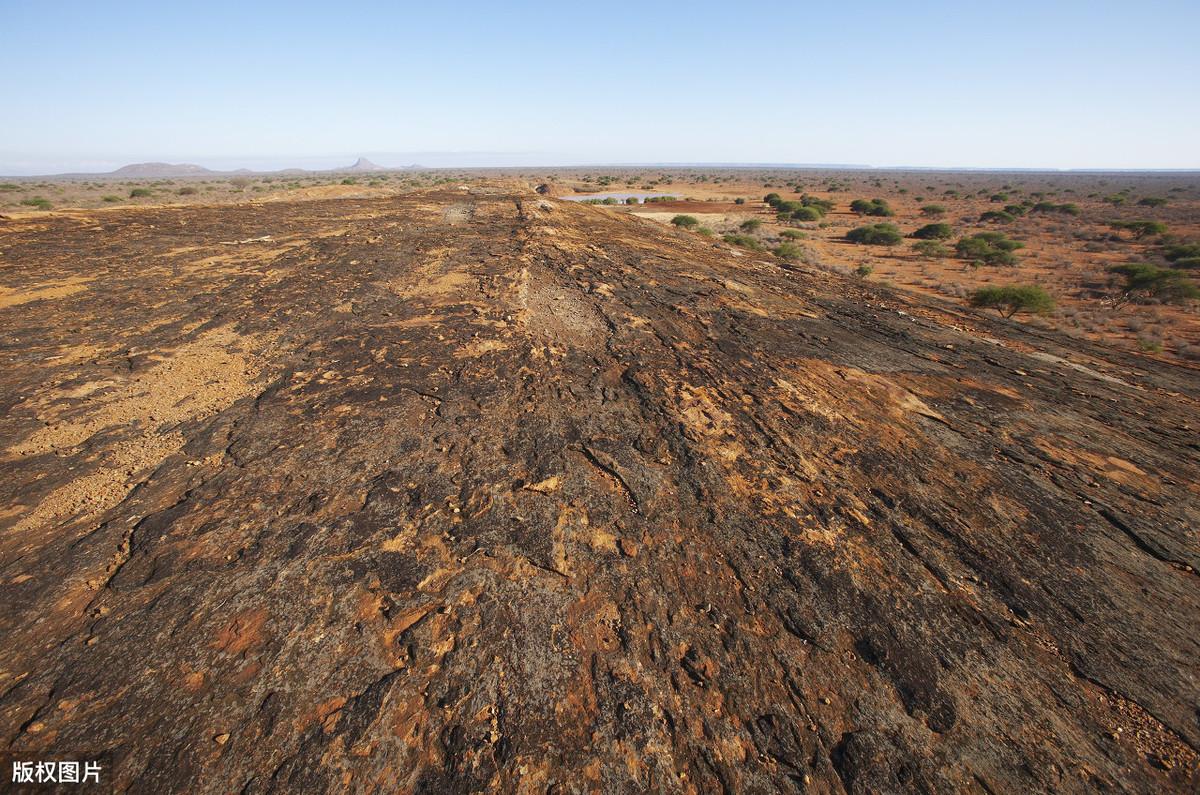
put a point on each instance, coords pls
(621, 198)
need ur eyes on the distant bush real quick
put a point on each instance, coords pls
(752, 225)
(877, 207)
(704, 230)
(349, 181)
(1016, 210)
(38, 202)
(9, 186)
(1010, 299)
(1184, 255)
(744, 241)
(110, 198)
(792, 234)
(772, 199)
(1143, 280)
(989, 248)
(632, 200)
(997, 216)
(875, 235)
(931, 248)
(739, 200)
(933, 210)
(140, 193)
(863, 271)
(1152, 201)
(789, 251)
(806, 214)
(187, 191)
(685, 221)
(658, 199)
(823, 206)
(1051, 207)
(1139, 229)
(939, 231)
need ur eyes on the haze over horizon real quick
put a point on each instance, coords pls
(1075, 86)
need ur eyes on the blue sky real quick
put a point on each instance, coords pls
(93, 85)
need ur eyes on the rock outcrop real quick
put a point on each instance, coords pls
(474, 491)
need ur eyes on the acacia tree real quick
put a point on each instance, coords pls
(1010, 299)
(1139, 229)
(1143, 280)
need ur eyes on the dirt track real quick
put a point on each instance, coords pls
(473, 490)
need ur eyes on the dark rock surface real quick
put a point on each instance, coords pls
(471, 490)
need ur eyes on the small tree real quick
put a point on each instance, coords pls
(931, 248)
(875, 235)
(806, 214)
(685, 221)
(744, 241)
(990, 248)
(997, 216)
(739, 200)
(772, 199)
(939, 231)
(1143, 280)
(789, 251)
(933, 211)
(632, 200)
(876, 207)
(1010, 299)
(139, 193)
(1139, 229)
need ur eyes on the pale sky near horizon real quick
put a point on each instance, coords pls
(91, 86)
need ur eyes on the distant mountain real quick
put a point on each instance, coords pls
(362, 164)
(157, 170)
(175, 170)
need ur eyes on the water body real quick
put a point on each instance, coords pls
(622, 197)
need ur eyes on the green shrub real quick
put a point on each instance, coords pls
(752, 225)
(632, 200)
(1051, 207)
(187, 191)
(739, 200)
(744, 241)
(1008, 300)
(939, 231)
(933, 210)
(789, 251)
(1152, 201)
(110, 198)
(685, 221)
(140, 193)
(990, 248)
(1016, 210)
(704, 230)
(1143, 280)
(863, 271)
(1180, 251)
(806, 214)
(997, 216)
(823, 206)
(38, 202)
(931, 248)
(772, 199)
(350, 181)
(875, 235)
(1139, 229)
(792, 234)
(876, 207)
